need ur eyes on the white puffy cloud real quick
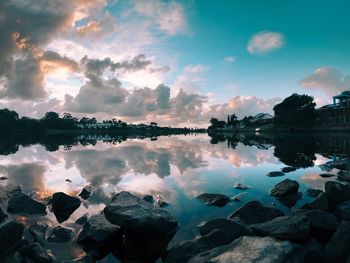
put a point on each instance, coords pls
(265, 42)
(329, 80)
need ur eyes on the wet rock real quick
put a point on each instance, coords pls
(36, 253)
(233, 229)
(63, 205)
(288, 169)
(60, 234)
(240, 186)
(338, 247)
(238, 197)
(343, 176)
(339, 164)
(249, 249)
(83, 219)
(3, 215)
(313, 192)
(254, 212)
(337, 193)
(98, 232)
(148, 198)
(319, 203)
(38, 232)
(162, 203)
(275, 174)
(290, 200)
(11, 234)
(188, 249)
(20, 203)
(219, 200)
(327, 175)
(343, 211)
(295, 228)
(284, 188)
(86, 192)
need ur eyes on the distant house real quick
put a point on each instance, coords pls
(262, 117)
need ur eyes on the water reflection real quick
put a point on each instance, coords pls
(179, 168)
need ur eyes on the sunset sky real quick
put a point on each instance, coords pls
(173, 62)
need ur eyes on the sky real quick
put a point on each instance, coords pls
(174, 62)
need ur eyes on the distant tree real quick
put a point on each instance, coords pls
(154, 124)
(8, 119)
(295, 111)
(215, 123)
(232, 120)
(51, 115)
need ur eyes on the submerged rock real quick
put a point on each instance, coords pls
(284, 188)
(11, 234)
(254, 212)
(20, 203)
(337, 193)
(240, 186)
(60, 234)
(275, 174)
(248, 250)
(63, 205)
(288, 169)
(219, 200)
(36, 253)
(38, 231)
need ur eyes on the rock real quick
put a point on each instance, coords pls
(38, 231)
(343, 211)
(240, 186)
(36, 253)
(60, 234)
(343, 176)
(86, 192)
(83, 219)
(284, 188)
(290, 200)
(98, 232)
(3, 215)
(337, 193)
(338, 247)
(254, 212)
(233, 229)
(11, 234)
(148, 198)
(288, 169)
(162, 204)
(68, 180)
(3, 178)
(339, 164)
(219, 200)
(313, 192)
(294, 227)
(188, 249)
(238, 197)
(248, 250)
(327, 175)
(20, 203)
(275, 174)
(63, 205)
(127, 210)
(319, 203)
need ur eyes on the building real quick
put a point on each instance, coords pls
(263, 117)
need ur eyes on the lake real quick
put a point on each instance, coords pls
(178, 168)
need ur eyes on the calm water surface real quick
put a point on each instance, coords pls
(179, 168)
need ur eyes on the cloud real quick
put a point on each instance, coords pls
(230, 60)
(327, 79)
(190, 80)
(265, 42)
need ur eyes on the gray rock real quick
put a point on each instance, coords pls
(337, 193)
(127, 210)
(20, 203)
(11, 234)
(313, 192)
(338, 247)
(60, 234)
(83, 219)
(343, 211)
(284, 188)
(3, 215)
(38, 231)
(290, 200)
(327, 175)
(219, 200)
(294, 227)
(343, 176)
(254, 212)
(63, 205)
(98, 232)
(288, 169)
(319, 203)
(275, 174)
(233, 229)
(339, 164)
(36, 253)
(249, 250)
(188, 249)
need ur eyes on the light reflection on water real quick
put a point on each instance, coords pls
(178, 168)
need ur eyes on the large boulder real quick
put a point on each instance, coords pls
(36, 253)
(254, 212)
(339, 164)
(294, 227)
(63, 205)
(219, 200)
(284, 188)
(337, 193)
(60, 234)
(11, 234)
(3, 215)
(343, 211)
(98, 232)
(20, 203)
(129, 211)
(247, 250)
(275, 174)
(338, 247)
(232, 228)
(38, 231)
(319, 203)
(288, 169)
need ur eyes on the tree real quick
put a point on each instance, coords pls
(295, 111)
(215, 123)
(51, 115)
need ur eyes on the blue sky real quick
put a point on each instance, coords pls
(171, 61)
